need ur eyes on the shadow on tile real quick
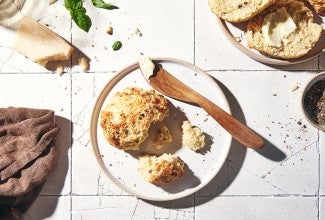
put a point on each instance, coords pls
(54, 184)
(269, 150)
(236, 155)
(77, 58)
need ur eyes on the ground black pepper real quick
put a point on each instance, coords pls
(321, 110)
(314, 102)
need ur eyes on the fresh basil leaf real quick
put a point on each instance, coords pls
(117, 45)
(83, 21)
(78, 14)
(102, 4)
(68, 4)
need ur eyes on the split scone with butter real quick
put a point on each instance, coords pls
(128, 116)
(160, 169)
(285, 30)
(238, 10)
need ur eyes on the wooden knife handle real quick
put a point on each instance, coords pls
(239, 131)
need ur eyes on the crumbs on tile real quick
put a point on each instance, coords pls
(294, 88)
(237, 39)
(109, 30)
(137, 32)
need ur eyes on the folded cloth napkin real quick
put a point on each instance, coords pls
(27, 156)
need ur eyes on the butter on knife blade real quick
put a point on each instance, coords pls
(146, 66)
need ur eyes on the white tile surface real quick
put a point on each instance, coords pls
(284, 180)
(257, 208)
(92, 181)
(291, 146)
(127, 207)
(322, 162)
(98, 207)
(161, 27)
(322, 208)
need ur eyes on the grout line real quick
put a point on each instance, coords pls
(71, 139)
(319, 180)
(318, 63)
(206, 70)
(200, 196)
(194, 31)
(71, 124)
(194, 206)
(194, 58)
(264, 196)
(261, 70)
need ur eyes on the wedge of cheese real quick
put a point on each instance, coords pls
(40, 44)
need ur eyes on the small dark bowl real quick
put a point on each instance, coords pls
(309, 105)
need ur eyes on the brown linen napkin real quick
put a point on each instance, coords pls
(27, 156)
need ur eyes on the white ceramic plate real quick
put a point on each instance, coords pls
(235, 33)
(121, 167)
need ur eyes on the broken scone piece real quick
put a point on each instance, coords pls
(40, 44)
(163, 136)
(161, 169)
(192, 137)
(128, 116)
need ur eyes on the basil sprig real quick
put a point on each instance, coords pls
(78, 12)
(102, 4)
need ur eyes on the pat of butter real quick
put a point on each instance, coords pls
(277, 26)
(146, 66)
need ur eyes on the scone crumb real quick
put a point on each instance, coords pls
(109, 30)
(84, 64)
(294, 88)
(192, 137)
(60, 69)
(160, 169)
(52, 2)
(138, 32)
